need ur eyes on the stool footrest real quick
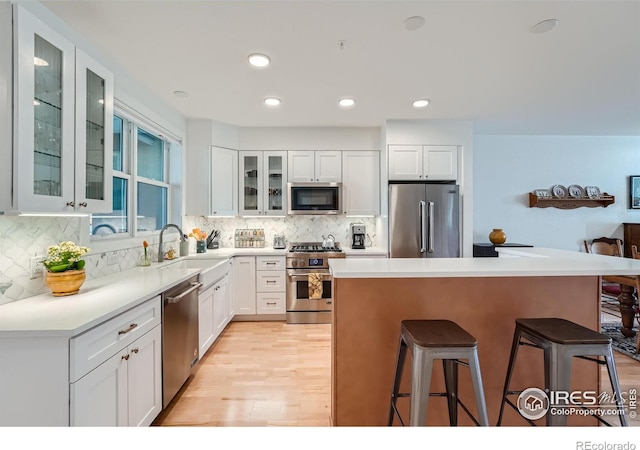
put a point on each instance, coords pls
(432, 394)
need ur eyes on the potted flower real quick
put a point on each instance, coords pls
(65, 268)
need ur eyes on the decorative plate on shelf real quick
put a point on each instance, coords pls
(542, 193)
(576, 191)
(559, 191)
(592, 191)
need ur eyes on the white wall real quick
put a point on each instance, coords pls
(438, 132)
(507, 168)
(309, 138)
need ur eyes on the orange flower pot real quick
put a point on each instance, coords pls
(64, 283)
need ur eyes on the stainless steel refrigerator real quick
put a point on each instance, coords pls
(424, 220)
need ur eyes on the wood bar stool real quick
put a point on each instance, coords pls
(561, 340)
(430, 340)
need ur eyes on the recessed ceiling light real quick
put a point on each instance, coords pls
(413, 23)
(39, 61)
(346, 102)
(259, 60)
(181, 94)
(272, 101)
(421, 103)
(544, 26)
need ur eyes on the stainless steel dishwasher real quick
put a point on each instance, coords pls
(179, 336)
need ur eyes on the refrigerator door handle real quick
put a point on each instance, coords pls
(422, 213)
(431, 227)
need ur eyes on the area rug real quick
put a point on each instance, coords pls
(622, 344)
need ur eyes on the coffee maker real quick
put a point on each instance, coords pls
(358, 232)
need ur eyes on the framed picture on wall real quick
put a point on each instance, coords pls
(634, 192)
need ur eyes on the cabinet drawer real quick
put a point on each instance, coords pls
(93, 347)
(271, 303)
(268, 281)
(270, 263)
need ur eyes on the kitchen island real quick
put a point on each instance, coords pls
(484, 296)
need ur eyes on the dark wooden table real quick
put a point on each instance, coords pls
(627, 299)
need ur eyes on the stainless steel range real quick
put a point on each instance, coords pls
(309, 296)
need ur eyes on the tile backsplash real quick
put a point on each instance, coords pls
(23, 237)
(295, 228)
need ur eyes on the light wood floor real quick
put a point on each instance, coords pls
(259, 374)
(275, 374)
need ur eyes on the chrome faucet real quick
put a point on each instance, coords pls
(160, 246)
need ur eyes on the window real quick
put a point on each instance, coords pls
(141, 176)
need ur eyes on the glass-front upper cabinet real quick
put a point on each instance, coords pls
(44, 108)
(63, 123)
(262, 183)
(250, 183)
(94, 135)
(275, 188)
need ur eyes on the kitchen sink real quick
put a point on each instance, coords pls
(208, 273)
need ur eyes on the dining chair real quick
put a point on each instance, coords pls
(610, 247)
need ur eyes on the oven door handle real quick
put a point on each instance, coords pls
(305, 276)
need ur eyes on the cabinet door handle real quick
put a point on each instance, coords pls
(270, 263)
(72, 204)
(135, 350)
(125, 357)
(271, 281)
(271, 303)
(131, 327)
(84, 204)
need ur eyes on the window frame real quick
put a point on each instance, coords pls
(132, 122)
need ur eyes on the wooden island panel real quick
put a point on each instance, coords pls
(366, 324)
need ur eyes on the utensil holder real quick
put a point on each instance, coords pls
(201, 246)
(184, 248)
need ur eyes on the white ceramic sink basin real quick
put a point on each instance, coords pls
(211, 269)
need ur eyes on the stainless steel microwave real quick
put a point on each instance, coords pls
(314, 198)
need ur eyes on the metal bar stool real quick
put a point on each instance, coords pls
(429, 340)
(561, 340)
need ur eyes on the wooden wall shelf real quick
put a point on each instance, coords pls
(570, 203)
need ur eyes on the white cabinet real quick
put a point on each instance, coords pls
(361, 182)
(224, 182)
(63, 123)
(259, 285)
(423, 162)
(206, 336)
(244, 284)
(221, 305)
(315, 165)
(125, 390)
(262, 183)
(270, 285)
(214, 312)
(116, 370)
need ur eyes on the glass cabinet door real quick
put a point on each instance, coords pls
(44, 108)
(94, 136)
(250, 186)
(275, 169)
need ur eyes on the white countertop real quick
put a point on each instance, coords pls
(98, 300)
(522, 262)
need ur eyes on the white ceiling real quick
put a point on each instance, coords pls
(475, 60)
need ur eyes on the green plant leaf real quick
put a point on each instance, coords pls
(80, 264)
(58, 268)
